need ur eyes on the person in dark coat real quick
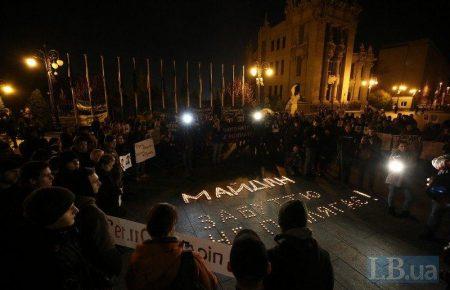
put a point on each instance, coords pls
(110, 195)
(312, 138)
(369, 156)
(248, 261)
(95, 240)
(33, 175)
(80, 148)
(298, 262)
(68, 164)
(53, 258)
(347, 145)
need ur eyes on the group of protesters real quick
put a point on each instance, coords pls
(58, 190)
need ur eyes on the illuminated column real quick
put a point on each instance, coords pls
(326, 64)
(337, 70)
(366, 71)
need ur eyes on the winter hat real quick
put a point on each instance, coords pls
(66, 157)
(248, 257)
(292, 214)
(10, 163)
(46, 205)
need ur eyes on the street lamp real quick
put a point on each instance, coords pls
(6, 89)
(257, 71)
(52, 62)
(369, 84)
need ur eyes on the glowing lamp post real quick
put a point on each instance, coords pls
(6, 89)
(52, 63)
(257, 71)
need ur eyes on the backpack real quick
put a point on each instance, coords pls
(187, 278)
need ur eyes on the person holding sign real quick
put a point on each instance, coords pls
(161, 262)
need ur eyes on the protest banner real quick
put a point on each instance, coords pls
(431, 150)
(237, 132)
(129, 234)
(125, 161)
(144, 150)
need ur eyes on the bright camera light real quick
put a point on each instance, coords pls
(187, 118)
(257, 116)
(254, 71)
(396, 166)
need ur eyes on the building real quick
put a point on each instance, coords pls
(418, 66)
(313, 47)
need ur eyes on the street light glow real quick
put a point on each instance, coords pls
(364, 83)
(59, 62)
(55, 65)
(187, 118)
(413, 91)
(394, 88)
(269, 72)
(402, 88)
(7, 89)
(254, 71)
(31, 62)
(373, 82)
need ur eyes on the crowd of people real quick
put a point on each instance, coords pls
(58, 190)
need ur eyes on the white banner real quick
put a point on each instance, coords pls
(129, 234)
(144, 150)
(125, 161)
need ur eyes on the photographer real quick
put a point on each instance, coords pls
(401, 163)
(438, 190)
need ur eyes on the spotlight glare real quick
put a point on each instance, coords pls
(257, 116)
(396, 166)
(187, 118)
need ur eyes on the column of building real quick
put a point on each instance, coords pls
(366, 74)
(337, 70)
(358, 66)
(331, 47)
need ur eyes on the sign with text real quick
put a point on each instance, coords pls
(129, 234)
(125, 161)
(144, 150)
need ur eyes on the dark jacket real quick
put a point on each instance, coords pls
(108, 195)
(95, 239)
(51, 260)
(299, 263)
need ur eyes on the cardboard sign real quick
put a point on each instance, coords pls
(125, 161)
(144, 150)
(129, 234)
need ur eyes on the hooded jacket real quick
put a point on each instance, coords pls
(299, 263)
(155, 264)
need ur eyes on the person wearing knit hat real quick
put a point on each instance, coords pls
(248, 260)
(51, 207)
(52, 258)
(298, 262)
(9, 171)
(68, 165)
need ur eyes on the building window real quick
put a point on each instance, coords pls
(272, 46)
(301, 34)
(276, 67)
(284, 42)
(275, 90)
(281, 91)
(278, 44)
(270, 91)
(403, 104)
(298, 67)
(282, 67)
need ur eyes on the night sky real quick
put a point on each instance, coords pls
(186, 30)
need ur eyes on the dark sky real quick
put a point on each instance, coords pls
(190, 29)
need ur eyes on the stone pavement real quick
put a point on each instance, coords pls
(350, 226)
